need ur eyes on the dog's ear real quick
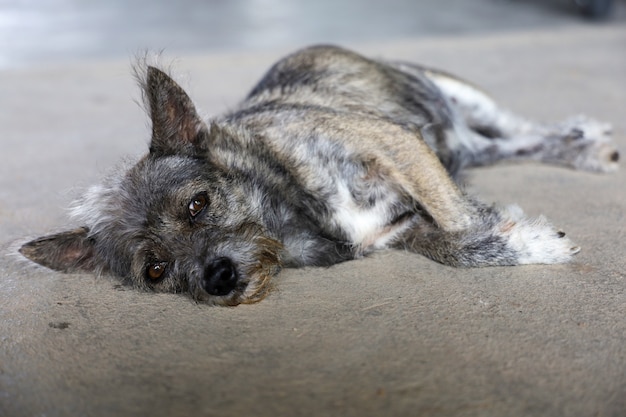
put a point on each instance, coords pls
(176, 127)
(70, 251)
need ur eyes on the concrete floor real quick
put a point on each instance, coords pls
(392, 335)
(36, 33)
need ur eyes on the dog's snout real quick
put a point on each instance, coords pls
(220, 277)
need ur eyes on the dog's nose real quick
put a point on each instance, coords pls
(220, 277)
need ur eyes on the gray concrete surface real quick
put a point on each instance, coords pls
(394, 334)
(36, 33)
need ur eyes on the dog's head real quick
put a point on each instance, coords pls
(178, 220)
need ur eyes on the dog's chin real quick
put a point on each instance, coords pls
(257, 289)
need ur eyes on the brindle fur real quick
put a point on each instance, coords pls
(330, 157)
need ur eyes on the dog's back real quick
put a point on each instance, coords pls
(341, 81)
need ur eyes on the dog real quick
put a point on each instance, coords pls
(330, 157)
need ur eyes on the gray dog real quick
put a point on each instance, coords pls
(330, 157)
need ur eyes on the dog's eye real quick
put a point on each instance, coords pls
(155, 271)
(197, 204)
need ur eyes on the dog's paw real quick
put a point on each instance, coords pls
(587, 145)
(536, 241)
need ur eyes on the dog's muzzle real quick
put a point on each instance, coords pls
(220, 277)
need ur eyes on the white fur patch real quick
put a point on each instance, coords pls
(365, 227)
(536, 241)
(477, 107)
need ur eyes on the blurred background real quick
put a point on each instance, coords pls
(37, 33)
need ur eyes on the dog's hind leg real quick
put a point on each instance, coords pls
(497, 237)
(489, 134)
(479, 133)
(486, 236)
(447, 225)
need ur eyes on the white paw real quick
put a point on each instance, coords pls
(589, 128)
(591, 142)
(536, 241)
